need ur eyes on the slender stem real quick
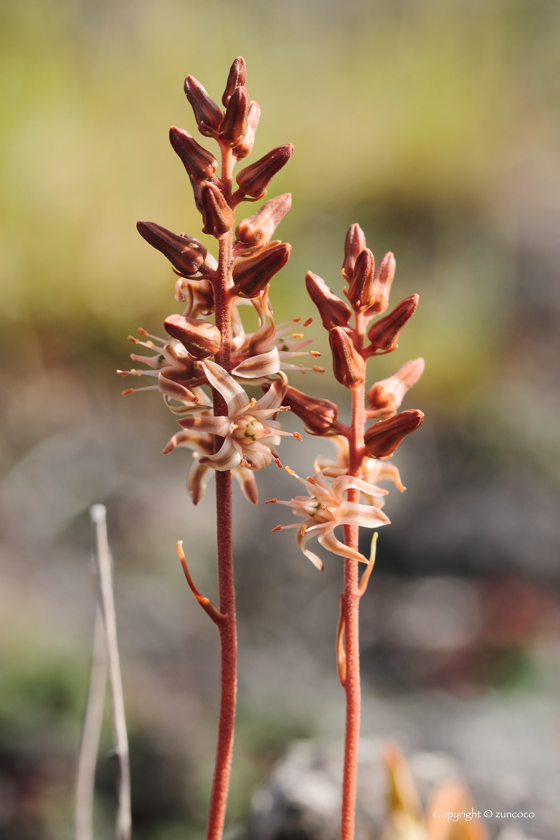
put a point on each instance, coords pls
(351, 601)
(227, 628)
(107, 605)
(89, 744)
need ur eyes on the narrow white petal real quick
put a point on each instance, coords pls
(228, 457)
(365, 515)
(192, 440)
(275, 394)
(233, 394)
(197, 481)
(349, 482)
(330, 542)
(302, 539)
(213, 425)
(247, 483)
(265, 364)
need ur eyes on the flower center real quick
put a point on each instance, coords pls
(248, 427)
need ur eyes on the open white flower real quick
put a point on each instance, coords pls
(326, 508)
(248, 431)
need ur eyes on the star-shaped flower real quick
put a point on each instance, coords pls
(326, 508)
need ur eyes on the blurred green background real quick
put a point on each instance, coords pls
(435, 125)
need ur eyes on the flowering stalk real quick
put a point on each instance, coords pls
(230, 434)
(361, 454)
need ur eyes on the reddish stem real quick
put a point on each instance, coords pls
(351, 601)
(228, 627)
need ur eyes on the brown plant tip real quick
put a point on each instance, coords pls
(361, 290)
(382, 280)
(245, 146)
(386, 396)
(384, 333)
(217, 215)
(333, 311)
(354, 244)
(237, 77)
(257, 230)
(201, 338)
(383, 438)
(318, 415)
(207, 113)
(348, 366)
(199, 163)
(254, 179)
(234, 123)
(185, 253)
(251, 275)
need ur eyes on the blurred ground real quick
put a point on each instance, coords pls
(435, 126)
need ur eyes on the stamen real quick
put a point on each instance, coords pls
(318, 369)
(311, 480)
(124, 372)
(296, 320)
(142, 331)
(127, 392)
(278, 528)
(149, 335)
(314, 352)
(309, 320)
(271, 501)
(303, 530)
(297, 436)
(135, 340)
(253, 402)
(289, 470)
(278, 463)
(297, 335)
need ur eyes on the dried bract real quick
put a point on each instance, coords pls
(254, 179)
(207, 113)
(386, 396)
(319, 416)
(353, 246)
(252, 274)
(361, 292)
(234, 123)
(245, 146)
(257, 230)
(199, 337)
(217, 215)
(383, 278)
(384, 333)
(236, 78)
(199, 163)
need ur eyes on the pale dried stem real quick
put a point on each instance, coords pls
(89, 745)
(107, 607)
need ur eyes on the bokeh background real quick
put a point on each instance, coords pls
(435, 125)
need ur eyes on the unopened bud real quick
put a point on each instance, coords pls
(237, 77)
(361, 290)
(201, 338)
(251, 275)
(333, 311)
(245, 146)
(382, 280)
(384, 334)
(318, 415)
(199, 163)
(234, 123)
(382, 439)
(257, 230)
(348, 366)
(207, 113)
(386, 396)
(353, 246)
(185, 253)
(217, 215)
(254, 179)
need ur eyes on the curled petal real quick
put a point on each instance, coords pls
(220, 426)
(265, 364)
(258, 455)
(197, 481)
(365, 515)
(247, 483)
(233, 394)
(349, 482)
(227, 458)
(330, 542)
(192, 440)
(303, 535)
(168, 386)
(275, 394)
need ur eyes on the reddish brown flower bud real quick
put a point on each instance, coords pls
(236, 78)
(245, 146)
(201, 338)
(234, 123)
(217, 215)
(353, 246)
(333, 311)
(382, 439)
(251, 275)
(384, 333)
(361, 290)
(348, 366)
(199, 163)
(254, 179)
(382, 280)
(207, 113)
(386, 396)
(318, 415)
(185, 253)
(257, 230)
